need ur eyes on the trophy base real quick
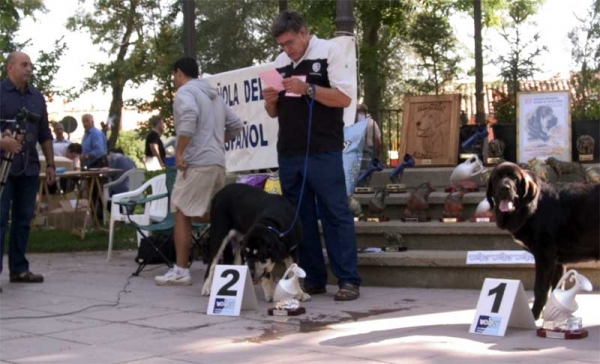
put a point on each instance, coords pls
(482, 219)
(375, 219)
(465, 189)
(416, 219)
(562, 334)
(396, 188)
(362, 190)
(296, 312)
(465, 156)
(493, 160)
(449, 220)
(586, 157)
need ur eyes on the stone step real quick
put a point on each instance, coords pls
(447, 269)
(396, 203)
(413, 177)
(434, 235)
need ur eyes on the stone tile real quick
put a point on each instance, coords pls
(51, 325)
(39, 349)
(182, 321)
(126, 314)
(105, 334)
(239, 352)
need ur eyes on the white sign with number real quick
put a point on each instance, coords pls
(502, 303)
(231, 291)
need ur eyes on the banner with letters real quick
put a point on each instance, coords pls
(256, 146)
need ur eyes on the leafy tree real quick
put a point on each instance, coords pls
(434, 42)
(585, 38)
(519, 63)
(12, 13)
(123, 30)
(383, 28)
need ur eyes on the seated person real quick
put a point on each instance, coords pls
(74, 153)
(116, 160)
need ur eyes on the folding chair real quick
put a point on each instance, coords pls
(164, 228)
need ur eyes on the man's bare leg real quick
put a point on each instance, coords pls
(183, 237)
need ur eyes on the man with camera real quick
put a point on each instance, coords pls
(23, 103)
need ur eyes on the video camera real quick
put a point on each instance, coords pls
(23, 115)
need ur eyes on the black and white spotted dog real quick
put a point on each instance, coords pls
(245, 226)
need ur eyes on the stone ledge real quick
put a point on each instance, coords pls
(429, 228)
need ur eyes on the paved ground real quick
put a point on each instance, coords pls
(134, 321)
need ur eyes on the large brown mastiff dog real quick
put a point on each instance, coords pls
(558, 223)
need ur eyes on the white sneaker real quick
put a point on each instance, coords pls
(174, 277)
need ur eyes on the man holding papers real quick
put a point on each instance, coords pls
(314, 69)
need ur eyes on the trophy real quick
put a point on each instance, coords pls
(376, 207)
(453, 207)
(396, 175)
(417, 204)
(365, 176)
(483, 212)
(585, 148)
(473, 144)
(495, 152)
(461, 178)
(559, 322)
(288, 292)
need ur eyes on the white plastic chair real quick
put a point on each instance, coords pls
(153, 211)
(135, 179)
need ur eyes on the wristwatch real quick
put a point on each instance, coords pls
(51, 165)
(310, 91)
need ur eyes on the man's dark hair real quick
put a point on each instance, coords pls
(154, 121)
(287, 21)
(74, 148)
(187, 65)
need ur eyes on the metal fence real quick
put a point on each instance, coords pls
(390, 124)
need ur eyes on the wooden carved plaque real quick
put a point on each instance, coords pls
(430, 129)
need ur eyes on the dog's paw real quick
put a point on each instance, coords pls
(206, 289)
(303, 297)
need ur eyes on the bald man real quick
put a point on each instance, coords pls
(19, 194)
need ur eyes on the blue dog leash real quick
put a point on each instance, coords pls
(311, 102)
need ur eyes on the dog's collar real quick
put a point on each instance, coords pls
(280, 235)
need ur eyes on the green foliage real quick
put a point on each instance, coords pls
(433, 40)
(519, 63)
(124, 30)
(585, 38)
(133, 146)
(47, 65)
(12, 13)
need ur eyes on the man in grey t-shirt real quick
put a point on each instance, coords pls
(202, 123)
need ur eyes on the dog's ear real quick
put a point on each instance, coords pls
(489, 193)
(528, 188)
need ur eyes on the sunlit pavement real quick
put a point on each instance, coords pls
(49, 323)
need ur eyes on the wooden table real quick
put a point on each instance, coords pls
(93, 176)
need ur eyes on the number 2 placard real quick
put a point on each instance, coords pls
(231, 291)
(502, 303)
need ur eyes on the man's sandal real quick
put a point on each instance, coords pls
(347, 292)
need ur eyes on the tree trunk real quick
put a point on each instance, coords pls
(114, 113)
(371, 75)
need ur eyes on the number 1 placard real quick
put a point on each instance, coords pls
(231, 291)
(502, 303)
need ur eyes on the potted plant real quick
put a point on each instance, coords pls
(505, 128)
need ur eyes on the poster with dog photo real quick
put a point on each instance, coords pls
(544, 126)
